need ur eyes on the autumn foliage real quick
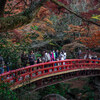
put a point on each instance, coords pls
(42, 25)
(87, 35)
(77, 29)
(93, 41)
(13, 7)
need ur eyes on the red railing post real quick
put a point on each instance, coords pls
(30, 72)
(24, 78)
(43, 69)
(39, 69)
(16, 77)
(53, 66)
(36, 72)
(62, 63)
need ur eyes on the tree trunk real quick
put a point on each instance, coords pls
(72, 12)
(2, 6)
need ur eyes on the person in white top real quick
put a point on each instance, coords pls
(58, 60)
(45, 55)
(65, 55)
(62, 56)
(48, 56)
(90, 56)
(85, 56)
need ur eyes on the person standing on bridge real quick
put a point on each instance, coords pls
(62, 55)
(65, 55)
(39, 60)
(31, 58)
(8, 62)
(45, 55)
(1, 64)
(51, 58)
(48, 57)
(24, 59)
(54, 55)
(57, 54)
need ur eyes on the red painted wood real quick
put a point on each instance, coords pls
(31, 72)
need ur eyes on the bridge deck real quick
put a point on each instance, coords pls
(29, 74)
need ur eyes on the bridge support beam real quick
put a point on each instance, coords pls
(62, 78)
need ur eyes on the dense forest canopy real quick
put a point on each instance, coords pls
(40, 25)
(26, 24)
(20, 12)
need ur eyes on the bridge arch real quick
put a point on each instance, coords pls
(49, 73)
(64, 77)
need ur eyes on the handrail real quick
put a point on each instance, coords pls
(38, 70)
(46, 63)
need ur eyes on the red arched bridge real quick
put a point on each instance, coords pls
(49, 73)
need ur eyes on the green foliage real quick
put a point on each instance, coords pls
(27, 93)
(7, 12)
(6, 93)
(37, 55)
(88, 92)
(9, 0)
(65, 90)
(75, 91)
(34, 28)
(11, 52)
(56, 89)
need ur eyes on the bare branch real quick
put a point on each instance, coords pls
(64, 6)
(12, 22)
(15, 5)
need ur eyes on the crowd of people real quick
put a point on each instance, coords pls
(47, 56)
(31, 59)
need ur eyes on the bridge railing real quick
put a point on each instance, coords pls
(21, 75)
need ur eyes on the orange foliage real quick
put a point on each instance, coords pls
(89, 36)
(16, 6)
(18, 37)
(47, 20)
(77, 29)
(44, 12)
(92, 41)
(43, 23)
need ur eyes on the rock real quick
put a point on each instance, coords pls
(54, 97)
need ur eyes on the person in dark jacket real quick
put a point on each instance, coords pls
(24, 59)
(39, 60)
(31, 58)
(57, 54)
(1, 64)
(8, 63)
